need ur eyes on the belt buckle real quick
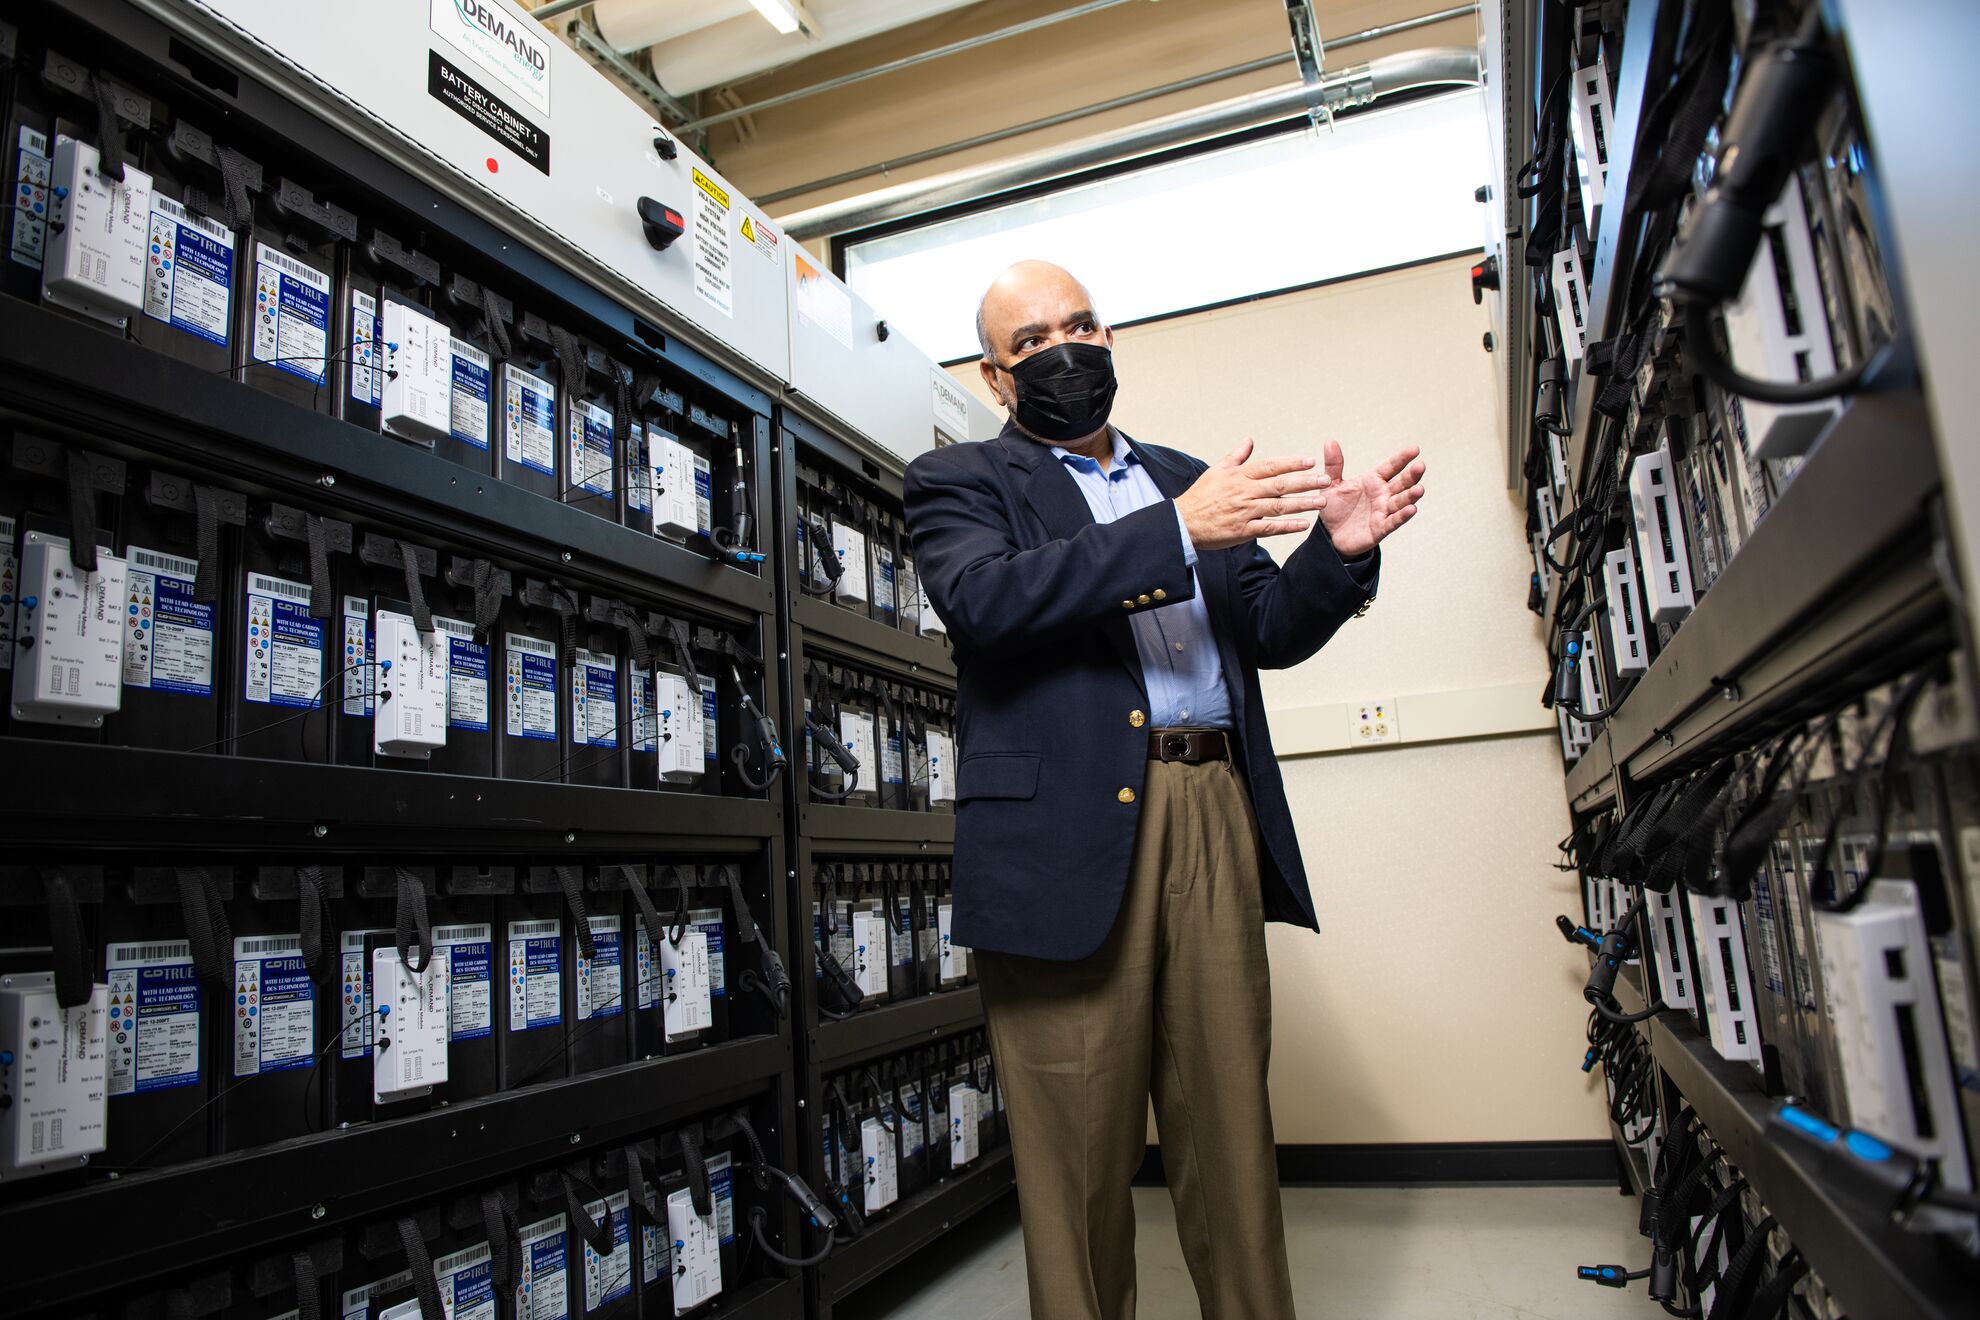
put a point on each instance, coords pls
(1175, 746)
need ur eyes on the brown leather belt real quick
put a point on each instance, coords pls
(1191, 746)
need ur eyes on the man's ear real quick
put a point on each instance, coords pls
(990, 380)
(1108, 331)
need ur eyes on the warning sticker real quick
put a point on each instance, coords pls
(713, 280)
(759, 235)
(154, 1016)
(824, 303)
(169, 647)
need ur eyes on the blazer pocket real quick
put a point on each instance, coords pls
(1012, 775)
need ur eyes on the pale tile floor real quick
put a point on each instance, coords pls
(1358, 1253)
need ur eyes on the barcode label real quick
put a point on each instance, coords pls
(461, 934)
(160, 562)
(520, 642)
(261, 585)
(129, 955)
(268, 944)
(288, 265)
(525, 928)
(453, 627)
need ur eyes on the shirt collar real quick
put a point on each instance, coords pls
(1124, 455)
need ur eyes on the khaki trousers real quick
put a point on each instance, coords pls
(1176, 1003)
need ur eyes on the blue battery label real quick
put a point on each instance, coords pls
(189, 272)
(467, 1284)
(595, 699)
(590, 448)
(639, 473)
(168, 645)
(154, 1016)
(709, 737)
(30, 206)
(543, 1290)
(645, 727)
(359, 658)
(600, 980)
(536, 974)
(722, 1188)
(467, 676)
(532, 687)
(291, 314)
(607, 1278)
(354, 999)
(470, 954)
(709, 922)
(274, 1005)
(468, 421)
(529, 420)
(284, 644)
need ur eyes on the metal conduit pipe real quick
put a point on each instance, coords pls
(1103, 107)
(1342, 89)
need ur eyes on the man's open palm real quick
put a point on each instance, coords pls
(1361, 511)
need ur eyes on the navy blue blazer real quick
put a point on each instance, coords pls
(1037, 598)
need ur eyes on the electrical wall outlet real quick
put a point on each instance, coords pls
(1372, 722)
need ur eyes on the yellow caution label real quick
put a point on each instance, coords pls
(716, 192)
(748, 233)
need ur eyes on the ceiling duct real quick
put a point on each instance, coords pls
(1341, 89)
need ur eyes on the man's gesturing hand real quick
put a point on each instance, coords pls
(1361, 510)
(1237, 501)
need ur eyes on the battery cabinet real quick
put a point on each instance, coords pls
(69, 634)
(592, 460)
(376, 273)
(178, 645)
(194, 262)
(285, 340)
(162, 1009)
(479, 324)
(529, 426)
(474, 691)
(291, 666)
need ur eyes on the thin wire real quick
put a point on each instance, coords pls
(307, 711)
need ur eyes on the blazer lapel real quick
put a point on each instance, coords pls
(1055, 497)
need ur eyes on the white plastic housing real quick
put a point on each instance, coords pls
(1778, 330)
(676, 514)
(1669, 948)
(679, 719)
(1591, 124)
(98, 233)
(1725, 982)
(409, 1054)
(1660, 536)
(417, 400)
(54, 1076)
(1883, 1004)
(850, 546)
(69, 635)
(1628, 648)
(411, 709)
(1570, 302)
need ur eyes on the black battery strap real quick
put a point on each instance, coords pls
(313, 902)
(320, 604)
(597, 1234)
(572, 882)
(74, 982)
(501, 349)
(415, 589)
(498, 1221)
(649, 916)
(309, 1289)
(570, 361)
(697, 1173)
(487, 600)
(83, 529)
(206, 543)
(419, 1262)
(414, 925)
(207, 930)
(109, 133)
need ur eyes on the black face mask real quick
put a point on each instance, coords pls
(1065, 392)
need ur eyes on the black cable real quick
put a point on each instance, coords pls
(1701, 350)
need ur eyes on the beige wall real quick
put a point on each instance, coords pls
(1086, 60)
(1439, 1003)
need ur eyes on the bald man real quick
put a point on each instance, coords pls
(1122, 834)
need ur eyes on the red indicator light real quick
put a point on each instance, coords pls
(494, 166)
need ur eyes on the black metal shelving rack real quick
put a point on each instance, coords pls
(1836, 589)
(79, 386)
(819, 627)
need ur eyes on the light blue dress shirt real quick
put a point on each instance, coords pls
(1179, 663)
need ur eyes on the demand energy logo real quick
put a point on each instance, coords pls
(502, 42)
